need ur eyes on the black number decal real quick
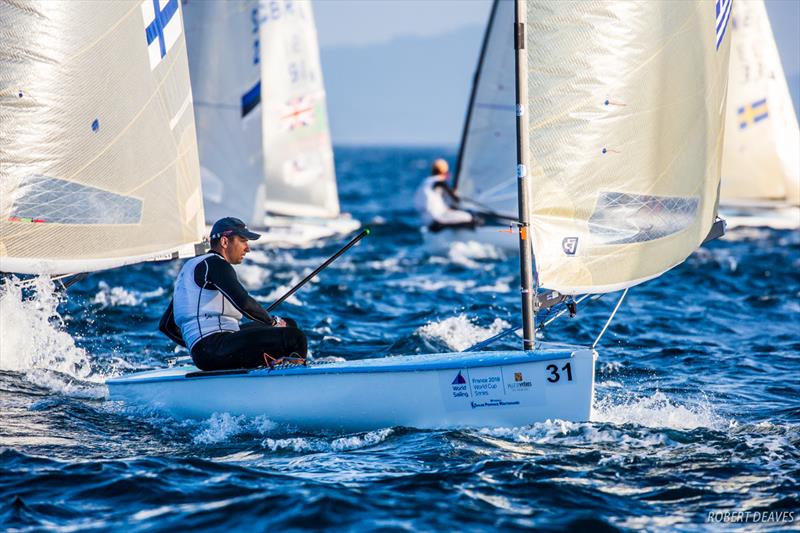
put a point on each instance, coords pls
(568, 370)
(554, 377)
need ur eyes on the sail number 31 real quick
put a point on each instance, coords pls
(555, 376)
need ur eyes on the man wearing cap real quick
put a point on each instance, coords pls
(208, 302)
(437, 202)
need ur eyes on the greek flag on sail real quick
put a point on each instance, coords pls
(723, 14)
(162, 27)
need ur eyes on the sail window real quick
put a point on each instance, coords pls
(57, 201)
(621, 218)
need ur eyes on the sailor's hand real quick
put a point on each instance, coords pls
(278, 322)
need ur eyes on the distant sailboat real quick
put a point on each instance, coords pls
(619, 137)
(485, 176)
(761, 158)
(265, 147)
(98, 156)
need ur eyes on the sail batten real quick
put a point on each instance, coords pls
(625, 118)
(98, 156)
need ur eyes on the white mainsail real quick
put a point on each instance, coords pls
(625, 115)
(298, 156)
(488, 156)
(761, 155)
(98, 156)
(224, 60)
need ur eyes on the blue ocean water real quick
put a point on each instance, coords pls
(697, 409)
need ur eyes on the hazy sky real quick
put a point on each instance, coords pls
(362, 22)
(388, 51)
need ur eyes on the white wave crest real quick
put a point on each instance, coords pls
(252, 276)
(114, 296)
(426, 284)
(466, 253)
(340, 444)
(282, 289)
(460, 332)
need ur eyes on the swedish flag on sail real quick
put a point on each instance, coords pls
(752, 113)
(162, 27)
(723, 14)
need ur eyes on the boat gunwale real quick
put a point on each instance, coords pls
(451, 363)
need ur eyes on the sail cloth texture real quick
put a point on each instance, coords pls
(224, 60)
(298, 156)
(98, 156)
(486, 170)
(625, 114)
(761, 155)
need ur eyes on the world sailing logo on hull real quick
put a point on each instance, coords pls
(459, 387)
(162, 28)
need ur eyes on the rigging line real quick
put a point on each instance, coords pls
(473, 92)
(486, 210)
(565, 309)
(610, 318)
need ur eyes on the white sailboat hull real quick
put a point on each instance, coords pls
(482, 389)
(504, 239)
(755, 214)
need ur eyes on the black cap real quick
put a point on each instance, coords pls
(228, 226)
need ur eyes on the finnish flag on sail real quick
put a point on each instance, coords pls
(162, 27)
(723, 8)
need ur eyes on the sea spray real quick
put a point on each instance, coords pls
(656, 411)
(222, 427)
(32, 334)
(338, 444)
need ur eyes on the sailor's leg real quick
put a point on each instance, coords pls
(246, 347)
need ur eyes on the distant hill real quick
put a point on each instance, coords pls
(408, 91)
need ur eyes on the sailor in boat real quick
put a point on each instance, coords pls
(208, 302)
(438, 204)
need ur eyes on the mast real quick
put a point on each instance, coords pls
(525, 248)
(471, 102)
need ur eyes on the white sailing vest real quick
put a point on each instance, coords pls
(432, 206)
(201, 312)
